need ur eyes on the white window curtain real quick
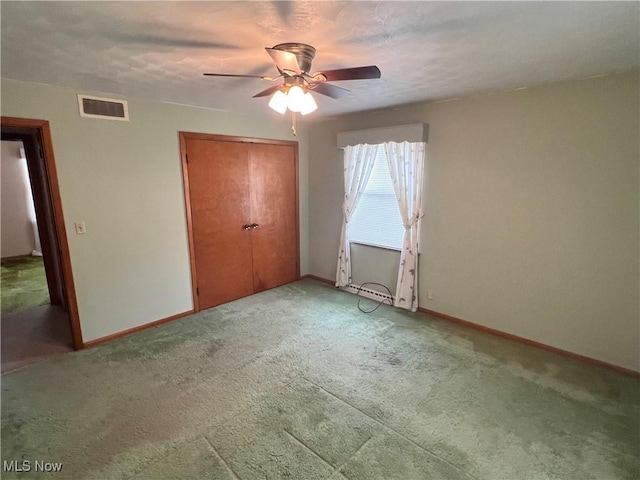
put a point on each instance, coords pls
(358, 163)
(406, 166)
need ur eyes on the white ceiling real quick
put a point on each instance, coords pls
(426, 50)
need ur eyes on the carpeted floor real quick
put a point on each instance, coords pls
(296, 383)
(24, 284)
(32, 329)
(33, 334)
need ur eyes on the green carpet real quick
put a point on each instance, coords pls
(23, 284)
(296, 383)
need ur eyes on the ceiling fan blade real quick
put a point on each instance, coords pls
(285, 61)
(355, 73)
(235, 75)
(328, 90)
(268, 91)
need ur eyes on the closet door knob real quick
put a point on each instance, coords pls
(254, 225)
(248, 227)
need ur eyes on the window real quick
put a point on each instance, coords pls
(377, 219)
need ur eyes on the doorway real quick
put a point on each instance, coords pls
(242, 215)
(24, 283)
(62, 312)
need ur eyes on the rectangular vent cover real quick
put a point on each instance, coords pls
(108, 108)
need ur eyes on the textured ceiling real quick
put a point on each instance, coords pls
(425, 50)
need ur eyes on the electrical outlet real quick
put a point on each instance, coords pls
(81, 228)
(429, 294)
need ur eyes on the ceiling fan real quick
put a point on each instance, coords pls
(293, 61)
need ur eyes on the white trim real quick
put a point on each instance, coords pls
(373, 245)
(417, 132)
(105, 117)
(385, 247)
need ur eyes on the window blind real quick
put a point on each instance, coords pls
(377, 219)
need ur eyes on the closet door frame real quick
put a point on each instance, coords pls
(184, 137)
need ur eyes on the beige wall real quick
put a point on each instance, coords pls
(124, 179)
(532, 208)
(17, 204)
(532, 212)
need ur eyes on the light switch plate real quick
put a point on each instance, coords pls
(81, 228)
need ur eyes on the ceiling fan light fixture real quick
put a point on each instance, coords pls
(308, 104)
(279, 102)
(295, 98)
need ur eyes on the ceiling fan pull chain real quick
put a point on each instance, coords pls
(293, 124)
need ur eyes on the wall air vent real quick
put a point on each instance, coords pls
(107, 108)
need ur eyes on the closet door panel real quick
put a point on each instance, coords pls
(220, 207)
(274, 207)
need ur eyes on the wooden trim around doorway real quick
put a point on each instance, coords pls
(58, 218)
(187, 199)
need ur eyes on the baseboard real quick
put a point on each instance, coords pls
(369, 293)
(113, 336)
(16, 257)
(512, 337)
(532, 343)
(319, 279)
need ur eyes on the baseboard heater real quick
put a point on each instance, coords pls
(369, 293)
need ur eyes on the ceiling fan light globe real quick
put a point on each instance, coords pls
(279, 102)
(308, 104)
(295, 98)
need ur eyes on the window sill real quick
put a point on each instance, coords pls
(395, 249)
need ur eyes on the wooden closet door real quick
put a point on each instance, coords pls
(273, 172)
(219, 197)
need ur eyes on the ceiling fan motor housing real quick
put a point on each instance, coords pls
(304, 53)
